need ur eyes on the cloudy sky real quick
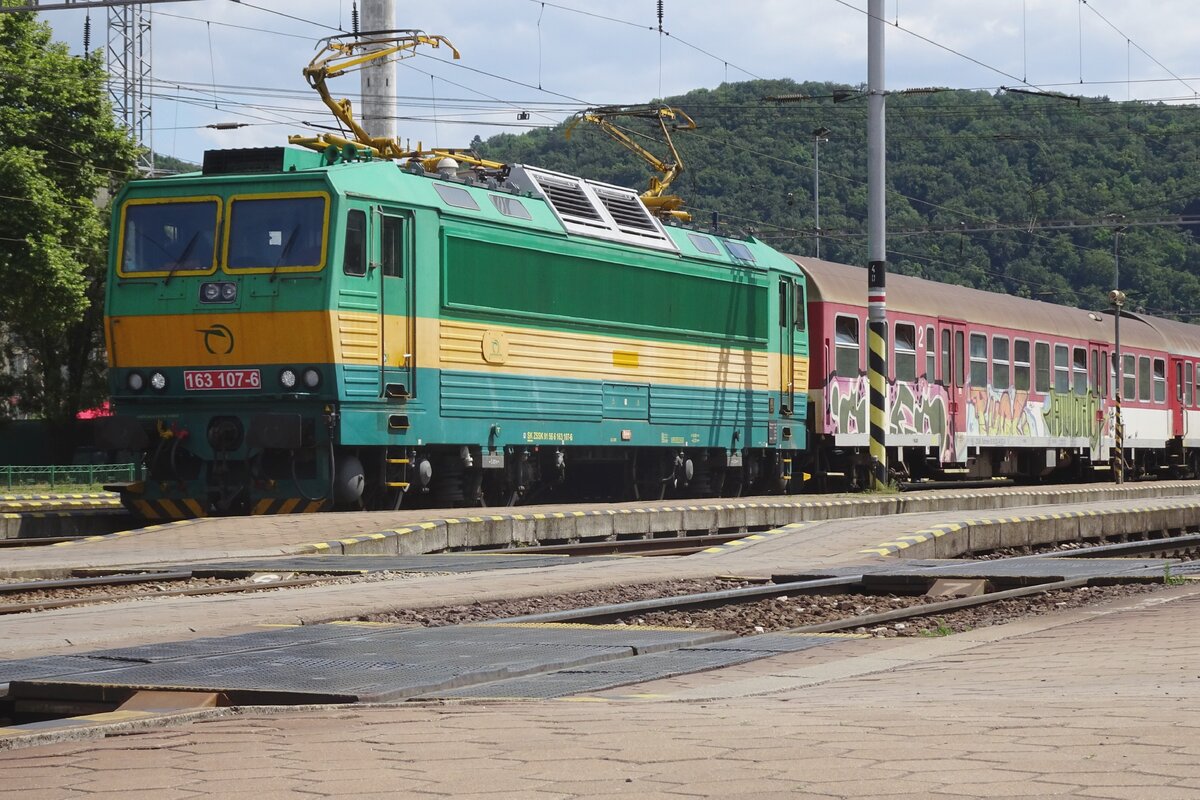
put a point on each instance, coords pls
(217, 61)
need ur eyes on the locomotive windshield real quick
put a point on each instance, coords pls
(277, 232)
(169, 237)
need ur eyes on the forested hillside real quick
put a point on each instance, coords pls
(959, 160)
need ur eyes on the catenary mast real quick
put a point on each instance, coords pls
(876, 244)
(379, 77)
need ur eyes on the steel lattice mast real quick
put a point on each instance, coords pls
(128, 57)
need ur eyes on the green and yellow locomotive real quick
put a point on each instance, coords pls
(298, 329)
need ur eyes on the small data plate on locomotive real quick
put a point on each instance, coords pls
(197, 380)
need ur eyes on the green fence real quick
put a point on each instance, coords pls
(75, 475)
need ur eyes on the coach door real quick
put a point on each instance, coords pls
(952, 340)
(398, 361)
(1175, 394)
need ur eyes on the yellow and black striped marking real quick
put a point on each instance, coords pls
(165, 509)
(936, 531)
(755, 537)
(124, 534)
(64, 496)
(325, 547)
(287, 505)
(59, 504)
(877, 377)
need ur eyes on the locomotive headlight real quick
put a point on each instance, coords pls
(228, 292)
(135, 382)
(287, 379)
(211, 292)
(158, 381)
(312, 378)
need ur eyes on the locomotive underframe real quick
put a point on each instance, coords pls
(233, 462)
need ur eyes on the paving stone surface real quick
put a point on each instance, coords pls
(1091, 703)
(1099, 702)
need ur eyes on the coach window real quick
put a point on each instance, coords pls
(1196, 396)
(1104, 373)
(1021, 365)
(1000, 373)
(1042, 367)
(846, 341)
(1129, 391)
(1179, 381)
(1187, 384)
(1062, 369)
(354, 257)
(978, 359)
(960, 358)
(1079, 364)
(906, 352)
(1144, 386)
(930, 355)
(801, 316)
(946, 356)
(1160, 381)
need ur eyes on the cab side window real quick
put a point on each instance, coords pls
(354, 257)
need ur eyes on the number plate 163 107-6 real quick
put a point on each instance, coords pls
(212, 379)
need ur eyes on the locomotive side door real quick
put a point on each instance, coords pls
(787, 332)
(398, 360)
(952, 338)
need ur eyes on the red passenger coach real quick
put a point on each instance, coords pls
(984, 385)
(1182, 343)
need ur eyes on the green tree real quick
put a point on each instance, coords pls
(61, 155)
(978, 184)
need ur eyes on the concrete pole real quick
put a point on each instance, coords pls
(1117, 297)
(817, 189)
(876, 244)
(379, 77)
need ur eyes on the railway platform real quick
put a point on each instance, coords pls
(790, 547)
(1098, 702)
(1092, 704)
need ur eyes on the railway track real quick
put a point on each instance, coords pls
(742, 607)
(72, 592)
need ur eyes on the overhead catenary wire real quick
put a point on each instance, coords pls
(445, 107)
